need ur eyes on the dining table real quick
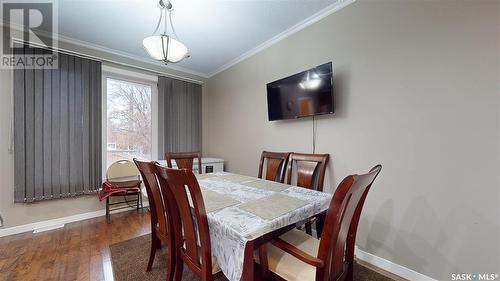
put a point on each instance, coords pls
(245, 212)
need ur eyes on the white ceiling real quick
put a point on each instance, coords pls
(216, 32)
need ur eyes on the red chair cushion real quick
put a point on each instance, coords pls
(119, 188)
(127, 184)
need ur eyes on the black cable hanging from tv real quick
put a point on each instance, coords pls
(313, 135)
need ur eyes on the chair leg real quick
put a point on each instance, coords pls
(350, 273)
(319, 224)
(264, 266)
(171, 265)
(179, 267)
(308, 228)
(142, 206)
(108, 216)
(137, 203)
(152, 253)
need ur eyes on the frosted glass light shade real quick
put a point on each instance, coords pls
(154, 46)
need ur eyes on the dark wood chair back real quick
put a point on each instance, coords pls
(309, 168)
(183, 186)
(162, 228)
(183, 160)
(159, 220)
(275, 163)
(336, 248)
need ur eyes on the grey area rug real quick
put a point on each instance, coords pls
(129, 259)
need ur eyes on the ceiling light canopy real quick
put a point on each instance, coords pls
(164, 47)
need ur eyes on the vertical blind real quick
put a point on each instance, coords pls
(179, 116)
(57, 130)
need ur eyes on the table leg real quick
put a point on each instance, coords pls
(248, 263)
(319, 224)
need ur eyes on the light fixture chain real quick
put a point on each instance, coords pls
(171, 24)
(163, 48)
(166, 54)
(158, 23)
(166, 22)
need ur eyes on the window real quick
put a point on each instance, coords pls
(129, 120)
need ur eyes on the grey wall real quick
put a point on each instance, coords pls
(417, 90)
(19, 214)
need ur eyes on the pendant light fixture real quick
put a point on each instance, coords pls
(164, 47)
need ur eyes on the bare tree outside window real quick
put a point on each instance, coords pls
(128, 120)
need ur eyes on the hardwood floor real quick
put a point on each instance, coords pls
(79, 251)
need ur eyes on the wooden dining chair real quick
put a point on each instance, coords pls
(183, 160)
(311, 169)
(275, 163)
(298, 256)
(310, 173)
(192, 238)
(161, 221)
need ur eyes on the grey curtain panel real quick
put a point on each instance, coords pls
(57, 130)
(179, 116)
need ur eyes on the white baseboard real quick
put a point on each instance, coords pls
(391, 267)
(386, 265)
(48, 228)
(56, 222)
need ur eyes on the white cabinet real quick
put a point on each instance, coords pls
(208, 165)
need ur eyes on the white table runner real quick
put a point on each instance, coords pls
(267, 185)
(272, 206)
(231, 227)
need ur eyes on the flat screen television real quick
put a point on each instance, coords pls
(307, 93)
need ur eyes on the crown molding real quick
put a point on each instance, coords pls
(293, 29)
(103, 49)
(275, 39)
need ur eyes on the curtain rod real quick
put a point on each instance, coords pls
(100, 59)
